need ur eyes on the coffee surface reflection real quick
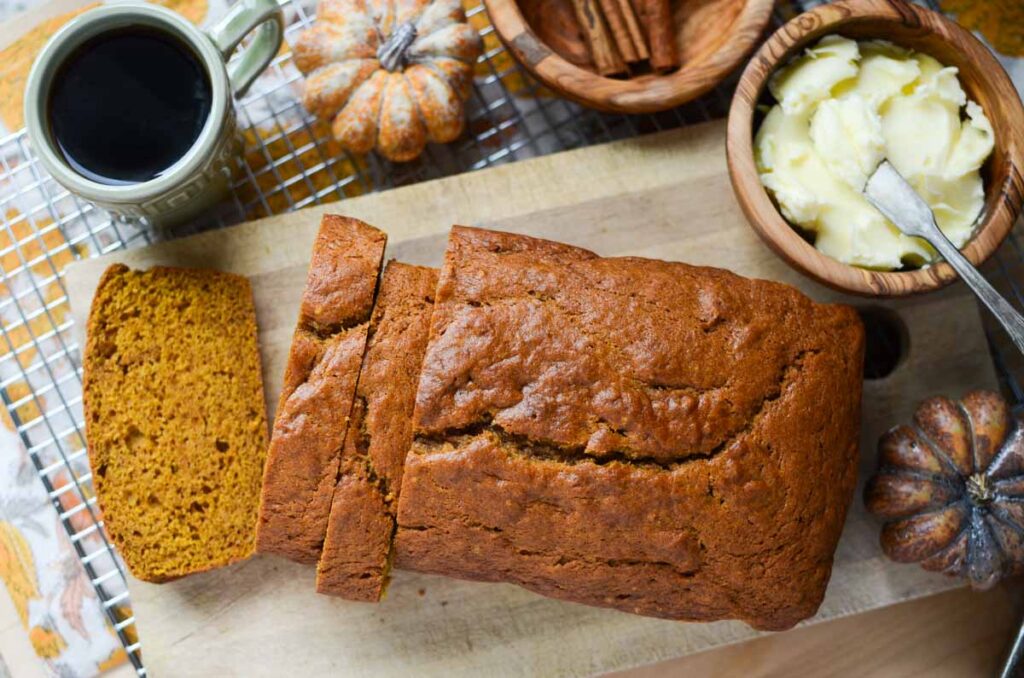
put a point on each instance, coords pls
(127, 104)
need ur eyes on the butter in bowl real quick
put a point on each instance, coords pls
(843, 107)
(840, 89)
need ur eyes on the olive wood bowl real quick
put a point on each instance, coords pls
(713, 37)
(928, 32)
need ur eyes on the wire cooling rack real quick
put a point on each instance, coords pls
(289, 161)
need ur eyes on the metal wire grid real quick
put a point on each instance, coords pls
(510, 117)
(289, 162)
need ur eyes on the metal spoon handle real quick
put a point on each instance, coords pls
(897, 200)
(1014, 660)
(1006, 314)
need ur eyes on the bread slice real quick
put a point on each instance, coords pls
(319, 385)
(175, 417)
(659, 438)
(356, 555)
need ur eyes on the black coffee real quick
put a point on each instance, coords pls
(127, 104)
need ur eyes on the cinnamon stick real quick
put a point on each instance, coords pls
(636, 34)
(618, 29)
(602, 47)
(656, 17)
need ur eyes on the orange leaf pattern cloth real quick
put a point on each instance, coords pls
(41, 573)
(17, 569)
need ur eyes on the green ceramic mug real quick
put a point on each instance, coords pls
(199, 178)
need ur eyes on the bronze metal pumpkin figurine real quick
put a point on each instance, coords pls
(951, 489)
(389, 74)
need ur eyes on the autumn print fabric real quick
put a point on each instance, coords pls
(52, 595)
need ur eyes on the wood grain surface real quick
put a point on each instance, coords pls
(957, 634)
(982, 77)
(713, 37)
(262, 617)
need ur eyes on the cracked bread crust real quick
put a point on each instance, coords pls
(659, 438)
(356, 554)
(319, 385)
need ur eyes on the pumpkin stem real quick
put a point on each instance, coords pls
(392, 53)
(978, 489)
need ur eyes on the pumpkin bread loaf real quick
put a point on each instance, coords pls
(356, 555)
(175, 417)
(319, 385)
(654, 437)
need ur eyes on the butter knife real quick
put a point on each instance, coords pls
(891, 195)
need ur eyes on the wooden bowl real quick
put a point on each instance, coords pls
(911, 26)
(713, 38)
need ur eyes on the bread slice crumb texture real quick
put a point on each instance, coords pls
(175, 417)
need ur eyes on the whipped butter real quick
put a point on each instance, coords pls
(843, 107)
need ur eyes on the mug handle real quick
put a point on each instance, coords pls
(243, 18)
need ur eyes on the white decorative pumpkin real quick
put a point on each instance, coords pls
(390, 75)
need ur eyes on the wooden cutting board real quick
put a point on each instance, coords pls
(665, 196)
